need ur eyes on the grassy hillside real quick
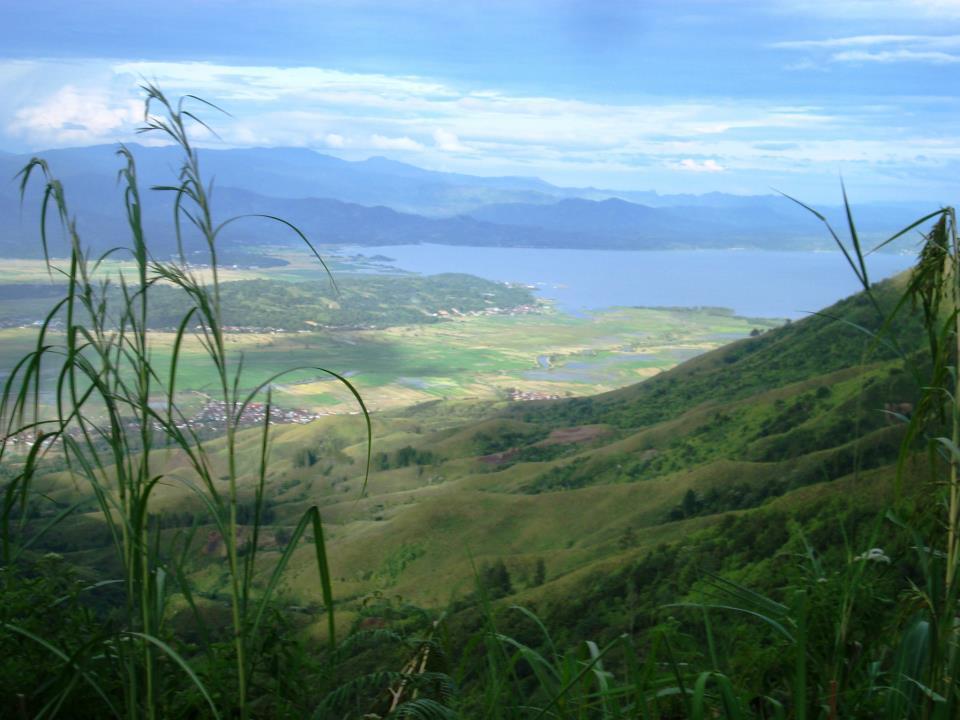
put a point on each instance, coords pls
(727, 431)
(597, 511)
(578, 482)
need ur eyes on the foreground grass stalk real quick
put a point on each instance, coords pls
(934, 286)
(953, 252)
(107, 423)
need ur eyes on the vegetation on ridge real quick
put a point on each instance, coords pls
(368, 301)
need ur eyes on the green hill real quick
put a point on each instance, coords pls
(584, 482)
(599, 510)
(569, 480)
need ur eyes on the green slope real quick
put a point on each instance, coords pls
(588, 482)
(584, 485)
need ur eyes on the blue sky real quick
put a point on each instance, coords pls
(676, 96)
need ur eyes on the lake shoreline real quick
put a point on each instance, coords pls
(749, 283)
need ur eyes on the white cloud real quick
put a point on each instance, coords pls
(893, 56)
(382, 142)
(886, 49)
(491, 131)
(804, 65)
(870, 40)
(691, 165)
(264, 83)
(448, 141)
(72, 115)
(398, 106)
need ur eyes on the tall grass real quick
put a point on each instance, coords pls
(116, 421)
(925, 676)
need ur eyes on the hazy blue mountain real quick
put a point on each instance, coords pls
(718, 220)
(368, 202)
(97, 206)
(302, 173)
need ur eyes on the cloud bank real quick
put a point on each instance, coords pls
(660, 142)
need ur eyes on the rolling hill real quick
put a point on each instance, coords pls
(588, 482)
(770, 426)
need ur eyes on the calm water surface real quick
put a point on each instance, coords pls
(751, 282)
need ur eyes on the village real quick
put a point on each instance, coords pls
(518, 310)
(517, 395)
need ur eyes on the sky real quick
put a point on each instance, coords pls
(674, 95)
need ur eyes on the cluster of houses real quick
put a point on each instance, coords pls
(522, 395)
(250, 329)
(518, 310)
(27, 440)
(28, 323)
(211, 418)
(213, 415)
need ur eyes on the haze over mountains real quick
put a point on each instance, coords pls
(382, 202)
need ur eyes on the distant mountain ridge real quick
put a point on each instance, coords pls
(759, 221)
(618, 218)
(303, 173)
(379, 201)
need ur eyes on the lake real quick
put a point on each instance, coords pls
(754, 283)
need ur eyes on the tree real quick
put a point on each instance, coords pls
(305, 458)
(496, 580)
(628, 539)
(539, 573)
(690, 504)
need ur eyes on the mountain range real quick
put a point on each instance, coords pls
(384, 202)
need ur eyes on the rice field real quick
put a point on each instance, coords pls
(488, 357)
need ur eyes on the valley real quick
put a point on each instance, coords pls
(579, 486)
(546, 353)
(401, 338)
